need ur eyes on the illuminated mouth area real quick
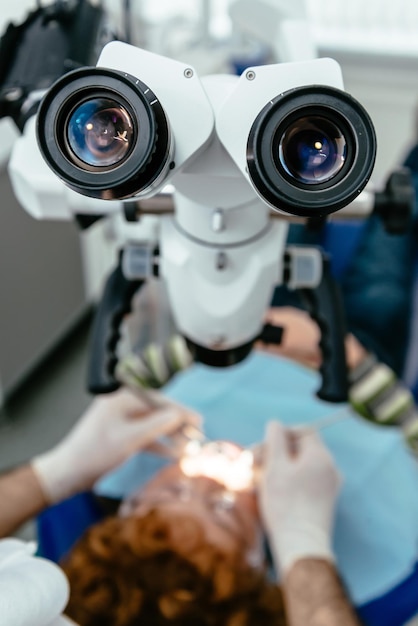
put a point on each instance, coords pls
(222, 461)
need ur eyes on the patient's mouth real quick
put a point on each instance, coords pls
(222, 461)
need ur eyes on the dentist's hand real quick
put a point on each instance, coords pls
(33, 590)
(113, 428)
(298, 488)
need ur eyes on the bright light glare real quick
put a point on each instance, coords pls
(221, 461)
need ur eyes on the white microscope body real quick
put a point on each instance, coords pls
(282, 138)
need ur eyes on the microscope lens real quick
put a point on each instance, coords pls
(312, 150)
(100, 132)
(104, 133)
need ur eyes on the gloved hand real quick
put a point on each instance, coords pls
(114, 427)
(33, 590)
(298, 487)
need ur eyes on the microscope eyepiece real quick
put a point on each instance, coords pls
(104, 133)
(311, 150)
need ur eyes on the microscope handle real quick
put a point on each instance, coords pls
(114, 304)
(325, 306)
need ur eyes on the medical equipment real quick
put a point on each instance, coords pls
(294, 147)
(239, 157)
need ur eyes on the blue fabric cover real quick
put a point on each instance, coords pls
(59, 526)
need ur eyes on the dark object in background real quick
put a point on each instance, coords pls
(51, 41)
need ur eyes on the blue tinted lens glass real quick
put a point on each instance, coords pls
(100, 132)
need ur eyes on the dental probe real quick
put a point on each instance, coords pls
(303, 430)
(191, 440)
(131, 372)
(322, 422)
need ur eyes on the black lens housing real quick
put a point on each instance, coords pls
(219, 358)
(148, 156)
(285, 192)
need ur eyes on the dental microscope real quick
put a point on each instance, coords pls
(206, 174)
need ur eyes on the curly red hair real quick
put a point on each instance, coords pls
(150, 571)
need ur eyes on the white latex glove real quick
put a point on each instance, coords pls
(33, 590)
(114, 427)
(298, 488)
(62, 620)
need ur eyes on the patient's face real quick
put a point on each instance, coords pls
(229, 518)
